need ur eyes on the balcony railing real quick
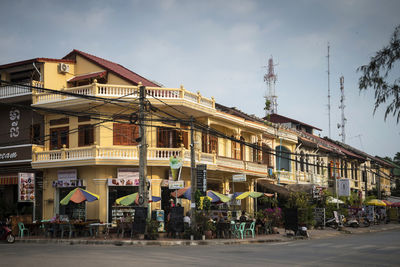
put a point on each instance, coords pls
(155, 156)
(18, 90)
(128, 92)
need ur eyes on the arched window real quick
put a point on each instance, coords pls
(282, 158)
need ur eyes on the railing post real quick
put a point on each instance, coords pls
(63, 152)
(182, 92)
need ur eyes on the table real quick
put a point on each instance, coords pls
(94, 229)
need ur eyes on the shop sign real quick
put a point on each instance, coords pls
(164, 183)
(123, 181)
(239, 178)
(67, 174)
(26, 187)
(201, 176)
(174, 185)
(67, 183)
(344, 187)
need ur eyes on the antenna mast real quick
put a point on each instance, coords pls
(342, 106)
(329, 97)
(271, 106)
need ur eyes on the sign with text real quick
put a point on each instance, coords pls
(239, 178)
(201, 176)
(344, 187)
(26, 187)
(174, 185)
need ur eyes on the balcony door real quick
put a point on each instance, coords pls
(59, 137)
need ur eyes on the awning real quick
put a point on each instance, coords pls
(81, 77)
(268, 186)
(8, 179)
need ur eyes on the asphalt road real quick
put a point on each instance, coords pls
(372, 249)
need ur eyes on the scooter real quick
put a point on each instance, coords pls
(332, 223)
(6, 233)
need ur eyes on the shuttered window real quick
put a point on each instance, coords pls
(86, 135)
(125, 134)
(59, 137)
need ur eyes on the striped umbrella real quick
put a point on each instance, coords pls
(79, 195)
(133, 198)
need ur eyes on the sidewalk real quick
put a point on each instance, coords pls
(281, 237)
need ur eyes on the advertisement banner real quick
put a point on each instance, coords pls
(125, 177)
(344, 187)
(26, 187)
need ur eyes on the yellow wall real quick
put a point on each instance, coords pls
(53, 79)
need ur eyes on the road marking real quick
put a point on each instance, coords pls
(364, 247)
(322, 245)
(342, 245)
(388, 248)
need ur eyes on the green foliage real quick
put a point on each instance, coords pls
(378, 72)
(197, 196)
(298, 200)
(271, 201)
(206, 204)
(267, 105)
(152, 229)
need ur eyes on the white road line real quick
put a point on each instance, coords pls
(364, 247)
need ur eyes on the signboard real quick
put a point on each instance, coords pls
(176, 184)
(125, 177)
(26, 187)
(201, 178)
(67, 178)
(239, 178)
(344, 187)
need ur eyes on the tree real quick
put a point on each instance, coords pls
(377, 74)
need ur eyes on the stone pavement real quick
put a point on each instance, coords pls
(281, 237)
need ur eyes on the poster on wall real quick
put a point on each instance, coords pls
(344, 187)
(26, 187)
(67, 178)
(125, 177)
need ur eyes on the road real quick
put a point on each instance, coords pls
(372, 249)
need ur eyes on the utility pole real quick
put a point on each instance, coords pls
(329, 96)
(143, 194)
(342, 106)
(193, 173)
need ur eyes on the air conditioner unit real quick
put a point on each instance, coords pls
(63, 68)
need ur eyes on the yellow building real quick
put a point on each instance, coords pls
(91, 139)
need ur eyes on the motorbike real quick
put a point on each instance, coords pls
(332, 223)
(6, 233)
(352, 222)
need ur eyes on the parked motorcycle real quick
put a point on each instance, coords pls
(6, 233)
(352, 222)
(333, 223)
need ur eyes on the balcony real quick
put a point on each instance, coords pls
(172, 96)
(123, 155)
(8, 91)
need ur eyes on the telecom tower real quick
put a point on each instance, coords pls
(271, 106)
(342, 106)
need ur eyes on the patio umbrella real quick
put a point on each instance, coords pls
(376, 202)
(79, 195)
(217, 197)
(133, 198)
(333, 200)
(185, 192)
(396, 204)
(242, 195)
(387, 202)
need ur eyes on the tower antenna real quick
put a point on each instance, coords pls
(271, 105)
(329, 96)
(342, 106)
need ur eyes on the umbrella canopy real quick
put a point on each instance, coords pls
(242, 195)
(79, 195)
(217, 197)
(396, 204)
(376, 202)
(333, 200)
(186, 192)
(387, 202)
(133, 198)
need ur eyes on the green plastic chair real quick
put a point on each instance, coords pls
(240, 230)
(22, 229)
(250, 229)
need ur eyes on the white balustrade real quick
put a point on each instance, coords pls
(14, 90)
(251, 166)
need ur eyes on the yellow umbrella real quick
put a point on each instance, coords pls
(376, 202)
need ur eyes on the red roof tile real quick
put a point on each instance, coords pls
(29, 61)
(115, 68)
(98, 74)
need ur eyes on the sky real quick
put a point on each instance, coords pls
(221, 48)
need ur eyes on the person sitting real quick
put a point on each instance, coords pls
(186, 219)
(55, 219)
(243, 217)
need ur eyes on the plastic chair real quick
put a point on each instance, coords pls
(240, 230)
(22, 229)
(250, 229)
(68, 229)
(233, 230)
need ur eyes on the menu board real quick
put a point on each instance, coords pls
(125, 177)
(26, 187)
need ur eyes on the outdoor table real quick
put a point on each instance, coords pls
(94, 229)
